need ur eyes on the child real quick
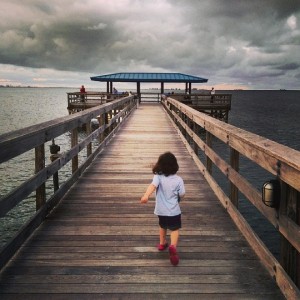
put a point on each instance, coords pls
(169, 189)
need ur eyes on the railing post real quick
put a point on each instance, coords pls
(209, 144)
(183, 117)
(234, 163)
(113, 113)
(39, 165)
(74, 142)
(290, 207)
(188, 124)
(54, 149)
(196, 133)
(89, 146)
(107, 130)
(101, 121)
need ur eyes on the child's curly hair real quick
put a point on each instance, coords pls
(166, 164)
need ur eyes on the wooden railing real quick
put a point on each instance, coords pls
(110, 116)
(150, 97)
(203, 100)
(282, 162)
(96, 97)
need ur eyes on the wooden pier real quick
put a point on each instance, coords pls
(100, 243)
(217, 106)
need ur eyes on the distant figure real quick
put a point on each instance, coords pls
(115, 91)
(82, 91)
(212, 94)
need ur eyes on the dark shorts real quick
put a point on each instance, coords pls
(172, 223)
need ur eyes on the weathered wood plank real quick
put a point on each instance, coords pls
(142, 288)
(101, 242)
(148, 296)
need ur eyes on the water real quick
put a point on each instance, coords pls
(272, 114)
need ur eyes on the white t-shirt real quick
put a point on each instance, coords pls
(168, 190)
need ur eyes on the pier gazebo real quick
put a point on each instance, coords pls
(140, 77)
(217, 106)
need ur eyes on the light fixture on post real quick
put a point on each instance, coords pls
(271, 193)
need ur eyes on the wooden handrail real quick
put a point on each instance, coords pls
(34, 137)
(281, 161)
(101, 97)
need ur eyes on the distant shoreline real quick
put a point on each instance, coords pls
(173, 89)
(36, 87)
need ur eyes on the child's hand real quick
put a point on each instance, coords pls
(144, 199)
(151, 188)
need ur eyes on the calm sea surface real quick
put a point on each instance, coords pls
(272, 114)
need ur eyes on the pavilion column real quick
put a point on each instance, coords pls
(138, 90)
(190, 87)
(107, 87)
(162, 88)
(186, 87)
(111, 87)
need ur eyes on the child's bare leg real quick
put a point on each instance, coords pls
(174, 237)
(162, 235)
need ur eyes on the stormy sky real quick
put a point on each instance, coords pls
(234, 43)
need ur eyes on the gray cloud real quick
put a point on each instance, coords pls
(226, 41)
(290, 66)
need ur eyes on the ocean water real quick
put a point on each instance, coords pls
(22, 107)
(272, 114)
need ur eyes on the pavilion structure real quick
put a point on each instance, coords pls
(161, 78)
(215, 105)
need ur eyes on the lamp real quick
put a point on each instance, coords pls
(54, 148)
(271, 193)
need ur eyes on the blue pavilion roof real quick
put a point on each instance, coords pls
(148, 77)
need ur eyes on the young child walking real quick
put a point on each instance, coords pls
(170, 190)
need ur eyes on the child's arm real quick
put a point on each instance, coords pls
(151, 188)
(181, 197)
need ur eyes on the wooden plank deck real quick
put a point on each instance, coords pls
(100, 242)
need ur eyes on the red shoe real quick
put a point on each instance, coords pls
(174, 258)
(161, 247)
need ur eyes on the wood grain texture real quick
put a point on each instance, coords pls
(100, 242)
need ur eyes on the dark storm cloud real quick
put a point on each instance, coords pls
(230, 41)
(61, 39)
(291, 66)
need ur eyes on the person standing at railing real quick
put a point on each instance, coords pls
(169, 188)
(212, 94)
(82, 92)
